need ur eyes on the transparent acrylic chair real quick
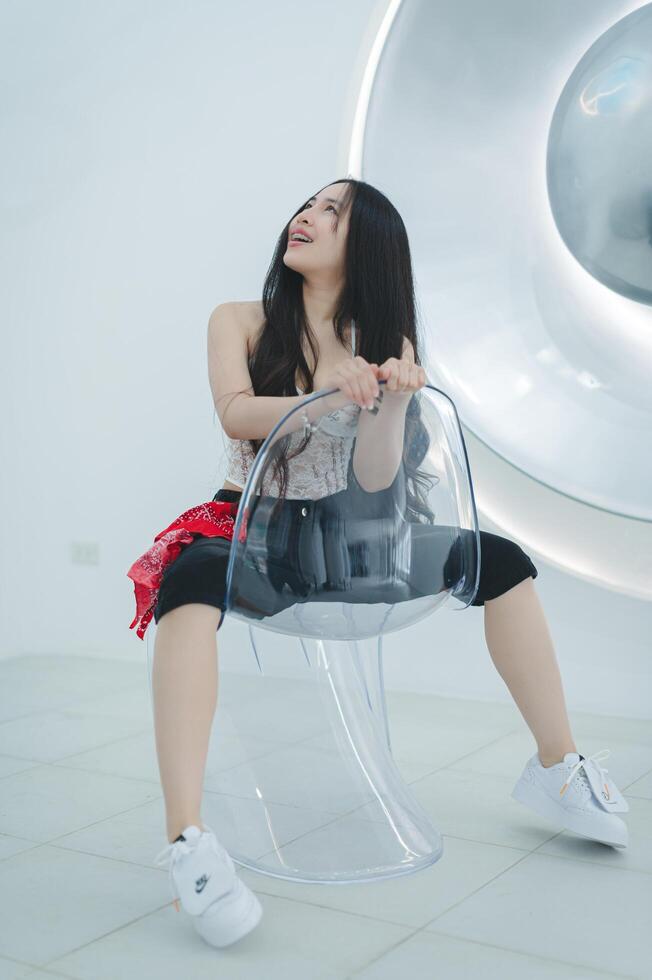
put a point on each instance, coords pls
(300, 780)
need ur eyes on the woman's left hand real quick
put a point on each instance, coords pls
(401, 375)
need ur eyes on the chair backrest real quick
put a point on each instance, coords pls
(396, 537)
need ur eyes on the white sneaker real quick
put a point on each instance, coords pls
(577, 795)
(204, 880)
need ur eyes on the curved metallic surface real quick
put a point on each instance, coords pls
(548, 366)
(599, 158)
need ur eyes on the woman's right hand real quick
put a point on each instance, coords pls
(357, 379)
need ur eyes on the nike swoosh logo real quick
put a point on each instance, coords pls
(200, 884)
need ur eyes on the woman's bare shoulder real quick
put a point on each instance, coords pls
(253, 317)
(247, 315)
(253, 308)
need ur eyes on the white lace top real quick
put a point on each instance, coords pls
(321, 469)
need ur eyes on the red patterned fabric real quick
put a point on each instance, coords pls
(213, 519)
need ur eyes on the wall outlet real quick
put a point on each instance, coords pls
(85, 552)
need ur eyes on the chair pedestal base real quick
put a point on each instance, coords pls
(300, 781)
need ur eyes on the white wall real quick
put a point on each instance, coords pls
(152, 153)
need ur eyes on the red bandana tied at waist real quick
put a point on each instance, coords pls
(213, 519)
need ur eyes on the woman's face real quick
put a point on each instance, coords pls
(317, 220)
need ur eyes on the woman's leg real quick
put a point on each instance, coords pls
(184, 682)
(521, 647)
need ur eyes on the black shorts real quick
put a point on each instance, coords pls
(198, 573)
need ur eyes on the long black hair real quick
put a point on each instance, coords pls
(378, 293)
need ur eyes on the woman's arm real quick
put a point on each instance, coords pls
(242, 414)
(378, 451)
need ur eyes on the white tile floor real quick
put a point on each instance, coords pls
(82, 819)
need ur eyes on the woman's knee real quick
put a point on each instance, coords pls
(503, 564)
(197, 577)
(494, 548)
(188, 614)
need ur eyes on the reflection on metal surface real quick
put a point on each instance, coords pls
(548, 368)
(599, 158)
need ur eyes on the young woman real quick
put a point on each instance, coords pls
(338, 310)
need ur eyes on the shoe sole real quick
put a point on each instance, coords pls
(535, 798)
(222, 925)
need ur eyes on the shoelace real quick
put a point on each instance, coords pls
(168, 856)
(585, 763)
